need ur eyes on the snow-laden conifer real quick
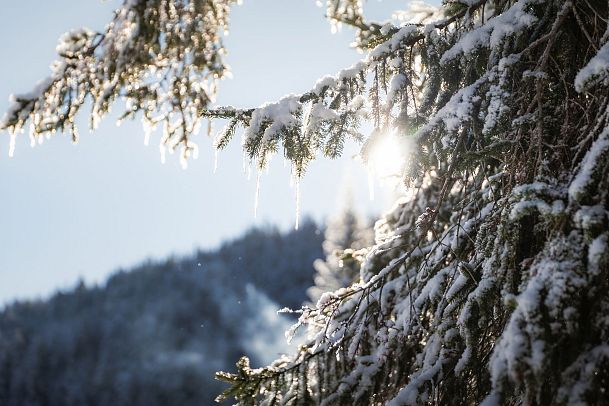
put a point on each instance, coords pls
(490, 284)
(347, 236)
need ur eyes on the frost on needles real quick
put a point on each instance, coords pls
(490, 285)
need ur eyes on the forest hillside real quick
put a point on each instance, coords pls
(155, 334)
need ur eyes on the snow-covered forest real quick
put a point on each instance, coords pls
(157, 333)
(488, 282)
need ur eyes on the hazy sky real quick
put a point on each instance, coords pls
(69, 211)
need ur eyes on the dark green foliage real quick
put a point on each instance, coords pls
(488, 285)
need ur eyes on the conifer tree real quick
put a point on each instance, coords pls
(346, 237)
(489, 285)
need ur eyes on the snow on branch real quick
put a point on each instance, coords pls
(480, 285)
(487, 285)
(161, 57)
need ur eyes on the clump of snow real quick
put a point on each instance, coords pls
(590, 217)
(391, 45)
(324, 83)
(595, 72)
(525, 346)
(598, 254)
(494, 31)
(589, 167)
(74, 41)
(398, 83)
(457, 110)
(325, 299)
(279, 114)
(351, 72)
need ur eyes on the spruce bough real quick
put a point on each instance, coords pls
(490, 285)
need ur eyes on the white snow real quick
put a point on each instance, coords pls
(494, 31)
(280, 114)
(327, 81)
(595, 72)
(589, 166)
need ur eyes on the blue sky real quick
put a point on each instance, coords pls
(85, 210)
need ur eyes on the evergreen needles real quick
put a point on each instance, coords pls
(490, 285)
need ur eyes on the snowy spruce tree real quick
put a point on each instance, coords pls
(346, 238)
(489, 285)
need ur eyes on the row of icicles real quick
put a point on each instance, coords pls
(386, 161)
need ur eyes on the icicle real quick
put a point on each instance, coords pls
(163, 151)
(297, 204)
(216, 152)
(95, 120)
(164, 140)
(245, 163)
(11, 146)
(196, 127)
(75, 135)
(32, 135)
(257, 194)
(147, 133)
(371, 185)
(184, 158)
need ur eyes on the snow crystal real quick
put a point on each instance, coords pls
(534, 74)
(11, 148)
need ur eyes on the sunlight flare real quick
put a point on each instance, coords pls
(388, 155)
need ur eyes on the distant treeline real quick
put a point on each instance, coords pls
(155, 335)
